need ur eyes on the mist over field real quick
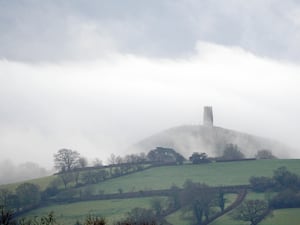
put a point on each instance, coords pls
(10, 172)
(100, 77)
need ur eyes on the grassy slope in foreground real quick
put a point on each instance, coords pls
(283, 217)
(214, 174)
(112, 210)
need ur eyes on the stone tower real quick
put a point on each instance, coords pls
(208, 119)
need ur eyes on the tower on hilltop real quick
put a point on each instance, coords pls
(208, 119)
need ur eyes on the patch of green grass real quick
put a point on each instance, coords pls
(283, 217)
(227, 220)
(112, 210)
(181, 217)
(254, 195)
(214, 174)
(185, 217)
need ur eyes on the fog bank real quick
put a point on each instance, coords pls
(11, 172)
(104, 106)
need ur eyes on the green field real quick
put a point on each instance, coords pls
(225, 173)
(112, 210)
(283, 217)
(184, 216)
(228, 220)
(214, 174)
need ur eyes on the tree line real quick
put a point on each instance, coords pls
(66, 160)
(73, 169)
(282, 190)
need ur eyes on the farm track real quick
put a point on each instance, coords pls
(240, 198)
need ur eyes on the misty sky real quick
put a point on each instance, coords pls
(98, 76)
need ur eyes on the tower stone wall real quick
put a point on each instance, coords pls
(208, 119)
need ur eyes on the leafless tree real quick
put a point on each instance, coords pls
(66, 159)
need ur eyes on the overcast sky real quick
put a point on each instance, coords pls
(98, 76)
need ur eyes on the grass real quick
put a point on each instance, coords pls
(214, 174)
(278, 217)
(228, 220)
(283, 217)
(184, 216)
(112, 210)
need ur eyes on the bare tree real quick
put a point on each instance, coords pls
(66, 159)
(251, 210)
(112, 159)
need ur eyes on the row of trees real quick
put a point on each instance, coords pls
(285, 187)
(26, 195)
(282, 179)
(233, 152)
(67, 160)
(137, 216)
(285, 183)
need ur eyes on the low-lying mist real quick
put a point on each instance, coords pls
(11, 172)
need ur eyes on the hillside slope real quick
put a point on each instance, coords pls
(212, 140)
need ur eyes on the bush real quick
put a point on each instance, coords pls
(197, 158)
(251, 210)
(261, 184)
(285, 179)
(94, 220)
(139, 216)
(50, 191)
(286, 199)
(231, 152)
(264, 154)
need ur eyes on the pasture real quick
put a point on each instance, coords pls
(213, 174)
(111, 210)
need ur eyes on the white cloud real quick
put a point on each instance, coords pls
(76, 30)
(103, 106)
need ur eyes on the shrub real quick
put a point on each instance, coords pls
(261, 184)
(286, 199)
(231, 152)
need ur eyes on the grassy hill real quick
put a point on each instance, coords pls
(189, 138)
(213, 174)
(157, 178)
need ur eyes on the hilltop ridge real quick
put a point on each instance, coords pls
(187, 139)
